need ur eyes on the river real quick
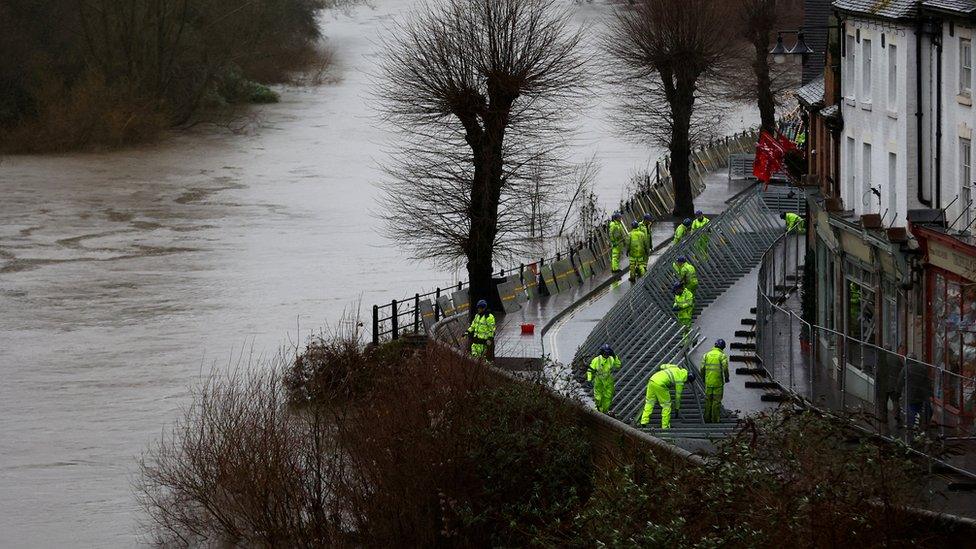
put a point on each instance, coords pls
(126, 276)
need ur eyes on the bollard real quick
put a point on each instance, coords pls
(437, 306)
(376, 325)
(393, 319)
(416, 313)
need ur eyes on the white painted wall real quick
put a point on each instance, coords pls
(958, 121)
(884, 121)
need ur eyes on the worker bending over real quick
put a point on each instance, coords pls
(715, 372)
(600, 373)
(618, 235)
(668, 377)
(682, 230)
(794, 223)
(687, 275)
(482, 330)
(637, 252)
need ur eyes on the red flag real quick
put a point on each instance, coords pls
(770, 154)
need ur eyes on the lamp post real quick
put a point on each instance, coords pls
(779, 51)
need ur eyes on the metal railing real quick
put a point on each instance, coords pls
(653, 195)
(641, 327)
(891, 394)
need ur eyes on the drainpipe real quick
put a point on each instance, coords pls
(937, 39)
(919, 126)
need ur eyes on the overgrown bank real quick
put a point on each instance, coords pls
(83, 73)
(348, 446)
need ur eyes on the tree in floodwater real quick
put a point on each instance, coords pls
(479, 91)
(758, 20)
(667, 57)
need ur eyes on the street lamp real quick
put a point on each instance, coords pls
(779, 52)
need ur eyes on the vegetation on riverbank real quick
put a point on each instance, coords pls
(417, 446)
(79, 74)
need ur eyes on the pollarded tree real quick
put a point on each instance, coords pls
(667, 57)
(758, 21)
(479, 91)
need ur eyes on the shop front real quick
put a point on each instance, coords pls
(950, 323)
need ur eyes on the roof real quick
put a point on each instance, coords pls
(832, 111)
(888, 9)
(812, 95)
(953, 6)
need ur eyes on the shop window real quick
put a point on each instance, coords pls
(953, 309)
(859, 294)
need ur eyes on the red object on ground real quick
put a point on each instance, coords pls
(528, 329)
(770, 154)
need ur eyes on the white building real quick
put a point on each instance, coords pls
(906, 82)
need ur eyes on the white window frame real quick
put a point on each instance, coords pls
(851, 72)
(892, 77)
(892, 185)
(851, 174)
(866, 171)
(965, 66)
(966, 176)
(866, 55)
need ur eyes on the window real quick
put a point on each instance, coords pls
(892, 187)
(965, 66)
(866, 197)
(892, 77)
(965, 177)
(851, 178)
(849, 73)
(953, 313)
(866, 66)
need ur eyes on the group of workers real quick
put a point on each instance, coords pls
(714, 367)
(637, 241)
(714, 370)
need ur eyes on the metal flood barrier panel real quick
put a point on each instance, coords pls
(641, 327)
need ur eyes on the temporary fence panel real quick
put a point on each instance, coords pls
(427, 315)
(446, 306)
(509, 296)
(520, 296)
(461, 302)
(549, 279)
(587, 263)
(565, 274)
(530, 280)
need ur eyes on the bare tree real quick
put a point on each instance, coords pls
(667, 58)
(758, 21)
(479, 91)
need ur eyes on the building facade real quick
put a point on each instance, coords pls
(891, 189)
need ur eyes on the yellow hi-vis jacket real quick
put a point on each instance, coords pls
(715, 368)
(482, 327)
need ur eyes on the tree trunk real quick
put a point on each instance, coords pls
(485, 196)
(767, 103)
(680, 149)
